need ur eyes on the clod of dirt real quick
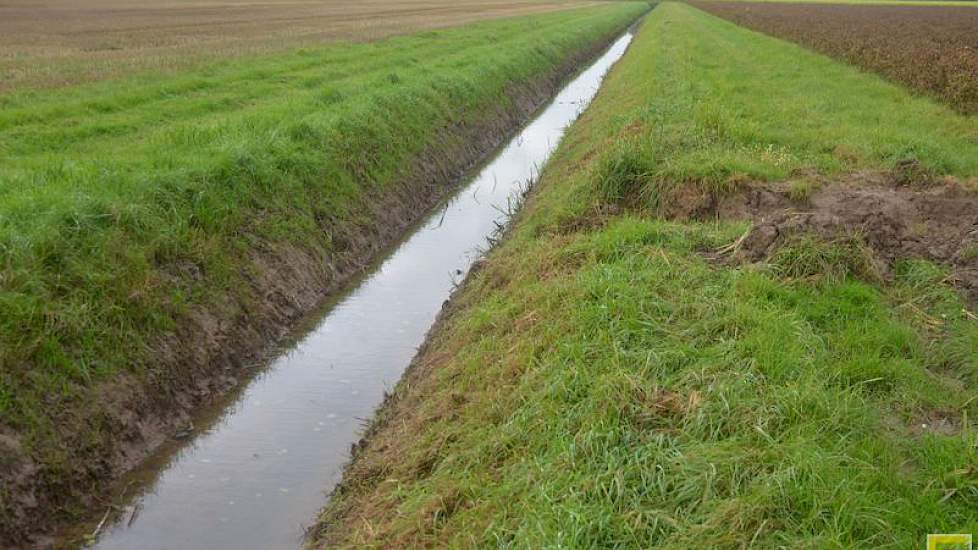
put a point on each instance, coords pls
(925, 422)
(938, 222)
(935, 422)
(17, 471)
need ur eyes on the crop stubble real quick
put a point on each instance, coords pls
(933, 49)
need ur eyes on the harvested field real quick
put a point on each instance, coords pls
(930, 49)
(57, 42)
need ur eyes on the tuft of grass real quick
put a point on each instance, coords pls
(608, 387)
(623, 175)
(970, 253)
(807, 256)
(801, 190)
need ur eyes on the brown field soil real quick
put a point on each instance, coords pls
(49, 43)
(933, 49)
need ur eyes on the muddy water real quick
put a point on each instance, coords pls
(260, 468)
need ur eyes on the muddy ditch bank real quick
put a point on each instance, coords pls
(883, 216)
(213, 351)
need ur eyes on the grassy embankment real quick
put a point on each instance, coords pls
(929, 49)
(150, 226)
(601, 383)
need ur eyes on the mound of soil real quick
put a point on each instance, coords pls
(936, 222)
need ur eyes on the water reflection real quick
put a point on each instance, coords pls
(255, 477)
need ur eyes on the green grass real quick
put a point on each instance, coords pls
(129, 204)
(601, 384)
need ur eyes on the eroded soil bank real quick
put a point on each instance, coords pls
(880, 217)
(207, 353)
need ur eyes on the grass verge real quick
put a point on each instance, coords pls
(157, 232)
(928, 49)
(599, 382)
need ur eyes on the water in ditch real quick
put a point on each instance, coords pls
(258, 472)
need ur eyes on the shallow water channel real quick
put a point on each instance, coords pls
(261, 465)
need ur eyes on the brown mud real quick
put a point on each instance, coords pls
(935, 220)
(216, 349)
